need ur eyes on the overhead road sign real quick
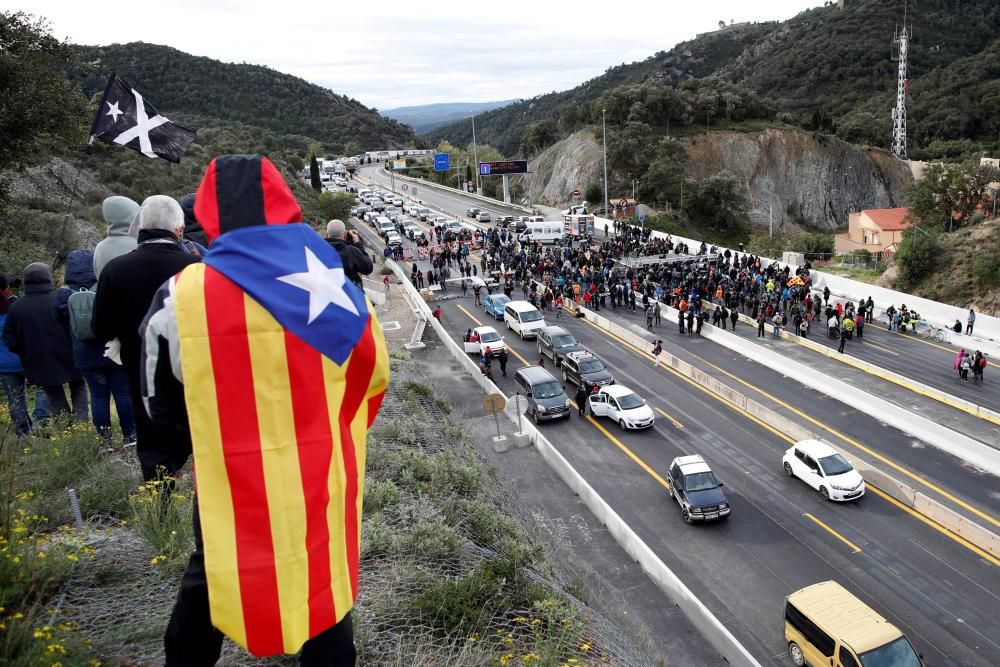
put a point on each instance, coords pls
(502, 167)
(442, 161)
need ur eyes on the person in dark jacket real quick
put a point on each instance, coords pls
(581, 398)
(12, 375)
(193, 239)
(356, 261)
(124, 292)
(32, 332)
(104, 377)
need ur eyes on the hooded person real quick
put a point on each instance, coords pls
(104, 377)
(12, 374)
(276, 365)
(119, 212)
(125, 288)
(32, 332)
(193, 240)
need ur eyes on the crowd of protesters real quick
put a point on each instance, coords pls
(635, 271)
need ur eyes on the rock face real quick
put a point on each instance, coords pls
(802, 178)
(572, 163)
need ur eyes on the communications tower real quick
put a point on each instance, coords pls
(902, 42)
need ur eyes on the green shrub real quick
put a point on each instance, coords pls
(916, 257)
(163, 518)
(986, 270)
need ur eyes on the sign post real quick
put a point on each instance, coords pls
(442, 162)
(494, 404)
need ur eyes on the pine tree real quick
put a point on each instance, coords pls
(314, 173)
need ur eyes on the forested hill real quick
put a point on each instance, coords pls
(827, 69)
(177, 82)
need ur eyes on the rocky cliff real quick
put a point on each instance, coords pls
(798, 177)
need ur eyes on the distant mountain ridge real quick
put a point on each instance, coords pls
(178, 82)
(426, 117)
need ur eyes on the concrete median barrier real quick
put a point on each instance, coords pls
(905, 494)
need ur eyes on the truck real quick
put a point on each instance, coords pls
(578, 224)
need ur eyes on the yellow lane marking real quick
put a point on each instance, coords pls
(674, 421)
(829, 429)
(618, 443)
(840, 537)
(879, 347)
(935, 525)
(697, 386)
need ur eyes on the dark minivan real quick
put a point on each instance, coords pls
(547, 400)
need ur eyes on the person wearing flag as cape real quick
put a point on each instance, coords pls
(277, 365)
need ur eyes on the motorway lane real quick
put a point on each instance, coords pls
(923, 361)
(942, 475)
(841, 424)
(744, 567)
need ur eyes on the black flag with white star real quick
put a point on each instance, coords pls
(125, 118)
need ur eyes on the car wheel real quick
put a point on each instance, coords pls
(621, 422)
(795, 653)
(508, 325)
(824, 492)
(686, 516)
(539, 346)
(788, 469)
(534, 418)
(565, 378)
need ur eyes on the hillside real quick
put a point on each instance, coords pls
(178, 82)
(426, 117)
(827, 68)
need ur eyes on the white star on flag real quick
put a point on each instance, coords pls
(325, 286)
(114, 111)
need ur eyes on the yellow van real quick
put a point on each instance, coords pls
(825, 625)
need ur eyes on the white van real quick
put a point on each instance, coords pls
(523, 319)
(545, 232)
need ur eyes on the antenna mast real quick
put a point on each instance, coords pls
(902, 39)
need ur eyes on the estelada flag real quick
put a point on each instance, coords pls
(284, 368)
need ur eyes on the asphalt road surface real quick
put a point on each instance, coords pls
(942, 593)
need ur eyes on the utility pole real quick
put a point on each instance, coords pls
(604, 133)
(770, 220)
(475, 154)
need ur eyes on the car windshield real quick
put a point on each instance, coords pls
(563, 341)
(489, 337)
(834, 465)
(894, 654)
(700, 481)
(591, 366)
(630, 402)
(531, 316)
(548, 390)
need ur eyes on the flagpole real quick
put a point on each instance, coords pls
(61, 241)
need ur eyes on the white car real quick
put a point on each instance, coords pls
(488, 338)
(393, 239)
(623, 405)
(823, 468)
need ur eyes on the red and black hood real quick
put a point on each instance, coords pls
(243, 191)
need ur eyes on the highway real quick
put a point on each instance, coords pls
(941, 592)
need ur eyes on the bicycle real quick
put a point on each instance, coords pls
(935, 333)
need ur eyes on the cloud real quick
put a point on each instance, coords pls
(397, 53)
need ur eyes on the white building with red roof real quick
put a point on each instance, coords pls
(875, 230)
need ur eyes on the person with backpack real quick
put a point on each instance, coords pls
(978, 366)
(105, 378)
(32, 332)
(118, 212)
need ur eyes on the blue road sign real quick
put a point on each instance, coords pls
(642, 217)
(442, 161)
(484, 168)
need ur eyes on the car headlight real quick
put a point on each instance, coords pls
(724, 506)
(696, 510)
(567, 402)
(843, 488)
(541, 408)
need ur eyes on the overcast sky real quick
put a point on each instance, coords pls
(391, 53)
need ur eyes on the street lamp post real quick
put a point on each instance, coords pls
(475, 153)
(604, 133)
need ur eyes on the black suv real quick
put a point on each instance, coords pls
(586, 369)
(696, 490)
(556, 343)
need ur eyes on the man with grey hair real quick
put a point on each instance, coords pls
(347, 244)
(124, 291)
